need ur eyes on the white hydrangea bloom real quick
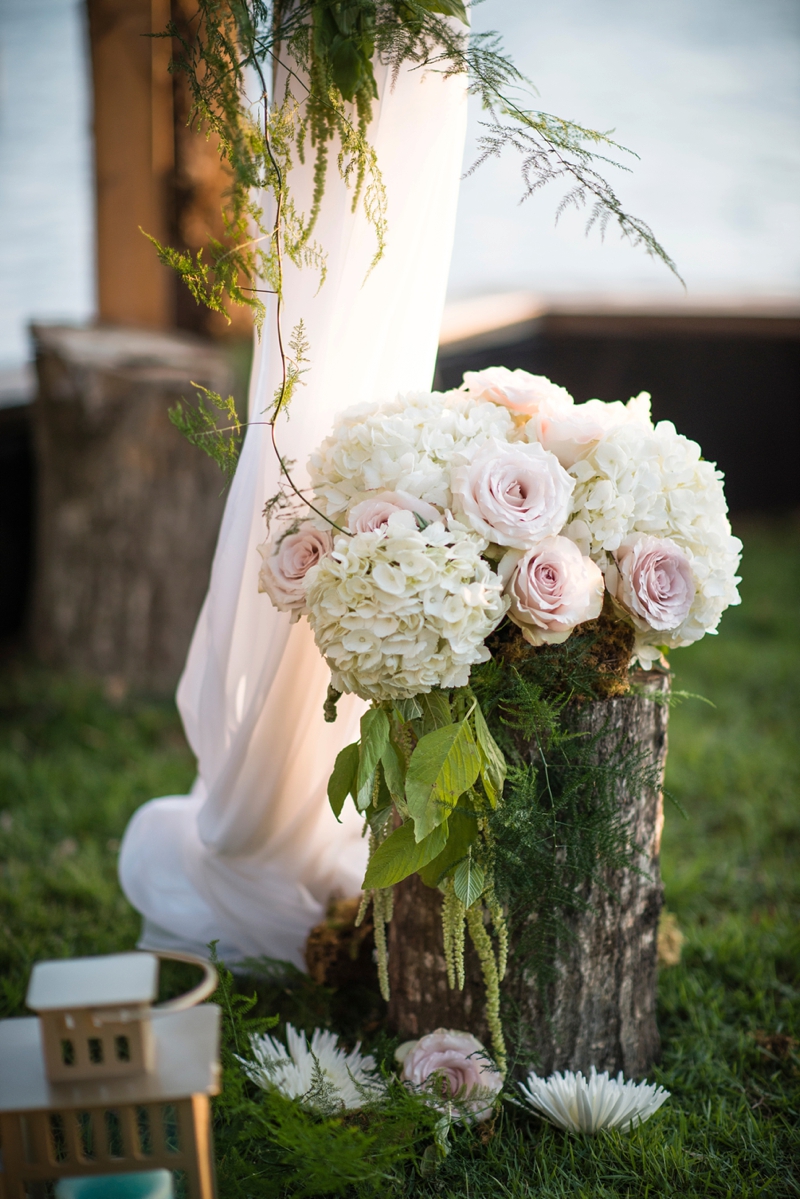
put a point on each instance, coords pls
(348, 1078)
(408, 443)
(400, 611)
(578, 1104)
(637, 480)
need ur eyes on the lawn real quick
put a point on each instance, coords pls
(74, 764)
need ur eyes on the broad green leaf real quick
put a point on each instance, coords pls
(364, 794)
(374, 739)
(463, 831)
(401, 855)
(343, 779)
(436, 712)
(493, 764)
(469, 881)
(444, 764)
(408, 709)
(394, 771)
(377, 818)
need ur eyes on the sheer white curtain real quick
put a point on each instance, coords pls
(254, 853)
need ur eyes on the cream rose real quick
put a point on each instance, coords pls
(569, 432)
(284, 567)
(513, 494)
(373, 513)
(552, 588)
(518, 390)
(454, 1065)
(652, 578)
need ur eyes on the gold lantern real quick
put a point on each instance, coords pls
(103, 1084)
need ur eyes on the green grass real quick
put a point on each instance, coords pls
(73, 766)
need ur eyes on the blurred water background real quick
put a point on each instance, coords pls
(708, 94)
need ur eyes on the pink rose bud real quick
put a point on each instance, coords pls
(285, 566)
(513, 494)
(372, 514)
(453, 1065)
(652, 578)
(552, 588)
(518, 390)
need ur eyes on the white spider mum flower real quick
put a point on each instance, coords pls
(320, 1075)
(577, 1104)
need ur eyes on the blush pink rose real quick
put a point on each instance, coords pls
(517, 390)
(372, 514)
(455, 1066)
(513, 494)
(552, 588)
(652, 578)
(285, 566)
(570, 432)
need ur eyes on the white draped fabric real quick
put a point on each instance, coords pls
(252, 856)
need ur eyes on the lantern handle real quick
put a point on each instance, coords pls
(198, 993)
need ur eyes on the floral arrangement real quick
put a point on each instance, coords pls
(446, 525)
(452, 1072)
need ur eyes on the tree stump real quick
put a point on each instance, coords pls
(128, 510)
(600, 1011)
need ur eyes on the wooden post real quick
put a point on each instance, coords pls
(134, 159)
(601, 1010)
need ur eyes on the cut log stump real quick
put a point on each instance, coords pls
(127, 510)
(601, 1010)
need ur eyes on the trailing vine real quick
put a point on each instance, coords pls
(326, 50)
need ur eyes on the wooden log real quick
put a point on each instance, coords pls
(601, 1010)
(127, 510)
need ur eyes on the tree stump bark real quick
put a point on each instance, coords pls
(128, 510)
(601, 1009)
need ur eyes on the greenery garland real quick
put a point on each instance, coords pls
(327, 48)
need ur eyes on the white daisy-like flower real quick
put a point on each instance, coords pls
(399, 610)
(297, 1069)
(577, 1104)
(408, 443)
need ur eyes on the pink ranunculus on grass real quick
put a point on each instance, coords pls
(455, 1069)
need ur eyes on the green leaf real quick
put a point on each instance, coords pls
(463, 831)
(469, 881)
(401, 855)
(493, 764)
(444, 764)
(394, 771)
(374, 739)
(408, 709)
(448, 8)
(364, 793)
(436, 712)
(343, 779)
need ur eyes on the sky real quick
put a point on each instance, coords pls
(707, 92)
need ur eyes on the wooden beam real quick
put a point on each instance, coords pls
(134, 159)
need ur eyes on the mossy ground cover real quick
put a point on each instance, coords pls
(74, 764)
